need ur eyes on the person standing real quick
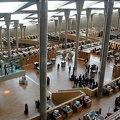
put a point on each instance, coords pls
(58, 66)
(5, 69)
(69, 69)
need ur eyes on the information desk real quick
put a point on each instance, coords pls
(67, 111)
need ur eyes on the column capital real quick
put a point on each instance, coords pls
(7, 18)
(66, 12)
(16, 22)
(21, 26)
(88, 13)
(24, 27)
(56, 22)
(79, 6)
(60, 19)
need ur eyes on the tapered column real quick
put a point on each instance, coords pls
(21, 28)
(38, 13)
(56, 23)
(43, 56)
(24, 29)
(16, 22)
(1, 38)
(79, 6)
(60, 22)
(118, 19)
(69, 23)
(105, 47)
(104, 27)
(7, 18)
(92, 20)
(66, 12)
(88, 12)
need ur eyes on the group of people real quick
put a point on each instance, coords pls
(85, 81)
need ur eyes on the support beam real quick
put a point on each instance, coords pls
(24, 29)
(88, 12)
(105, 47)
(56, 23)
(7, 18)
(1, 38)
(43, 56)
(16, 22)
(118, 19)
(60, 22)
(21, 28)
(66, 12)
(79, 6)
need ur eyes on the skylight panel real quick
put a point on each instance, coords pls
(87, 4)
(69, 6)
(18, 16)
(32, 16)
(83, 12)
(2, 23)
(73, 13)
(10, 7)
(24, 21)
(117, 5)
(98, 5)
(53, 5)
(59, 14)
(32, 7)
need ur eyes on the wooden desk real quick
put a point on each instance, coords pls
(79, 108)
(110, 92)
(69, 113)
(116, 89)
(89, 103)
(58, 117)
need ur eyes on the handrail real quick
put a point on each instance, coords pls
(114, 116)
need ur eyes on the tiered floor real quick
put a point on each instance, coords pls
(13, 96)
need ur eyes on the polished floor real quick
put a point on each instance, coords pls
(14, 96)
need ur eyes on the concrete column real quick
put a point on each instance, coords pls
(38, 13)
(88, 12)
(92, 20)
(7, 18)
(21, 28)
(24, 28)
(1, 38)
(16, 22)
(69, 23)
(105, 47)
(66, 12)
(118, 19)
(60, 22)
(104, 27)
(79, 7)
(56, 23)
(43, 56)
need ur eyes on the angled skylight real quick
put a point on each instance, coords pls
(117, 5)
(69, 6)
(59, 14)
(2, 18)
(98, 5)
(50, 14)
(10, 7)
(87, 4)
(73, 13)
(18, 16)
(32, 16)
(2, 23)
(24, 21)
(52, 5)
